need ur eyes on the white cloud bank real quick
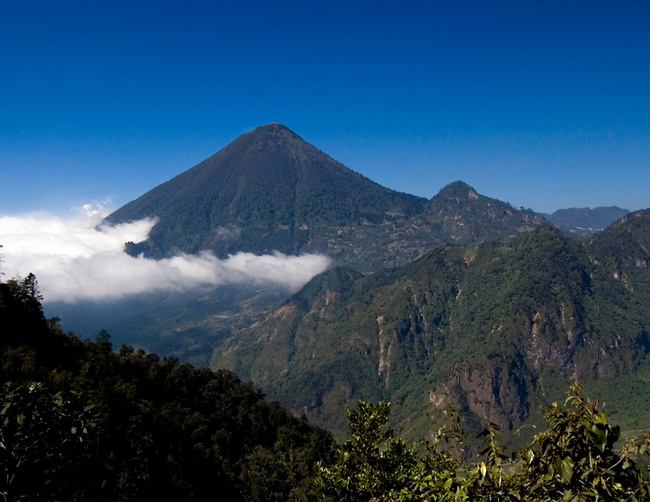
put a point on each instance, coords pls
(73, 260)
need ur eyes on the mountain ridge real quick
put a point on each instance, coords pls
(494, 330)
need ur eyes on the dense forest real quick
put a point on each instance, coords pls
(82, 422)
(79, 421)
(496, 330)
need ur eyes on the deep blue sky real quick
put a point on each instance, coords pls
(542, 104)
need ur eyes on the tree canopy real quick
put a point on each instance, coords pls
(79, 421)
(574, 459)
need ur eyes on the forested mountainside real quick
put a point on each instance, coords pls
(269, 190)
(496, 330)
(80, 422)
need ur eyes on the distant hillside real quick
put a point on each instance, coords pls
(496, 330)
(269, 190)
(184, 324)
(582, 221)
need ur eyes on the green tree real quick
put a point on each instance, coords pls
(47, 441)
(123, 426)
(372, 464)
(575, 458)
(26, 292)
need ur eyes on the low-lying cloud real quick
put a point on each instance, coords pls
(73, 260)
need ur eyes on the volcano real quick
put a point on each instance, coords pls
(271, 191)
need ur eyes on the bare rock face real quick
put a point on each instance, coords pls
(495, 391)
(550, 338)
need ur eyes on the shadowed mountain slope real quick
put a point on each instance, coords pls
(269, 190)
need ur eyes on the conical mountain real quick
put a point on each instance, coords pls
(269, 190)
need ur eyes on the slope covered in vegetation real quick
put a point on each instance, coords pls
(496, 330)
(81, 422)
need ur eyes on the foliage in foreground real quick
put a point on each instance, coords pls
(575, 459)
(80, 422)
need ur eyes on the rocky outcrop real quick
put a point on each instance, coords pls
(495, 391)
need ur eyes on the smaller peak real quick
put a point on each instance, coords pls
(458, 189)
(458, 185)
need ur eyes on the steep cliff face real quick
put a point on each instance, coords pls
(496, 391)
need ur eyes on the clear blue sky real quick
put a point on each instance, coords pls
(542, 104)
